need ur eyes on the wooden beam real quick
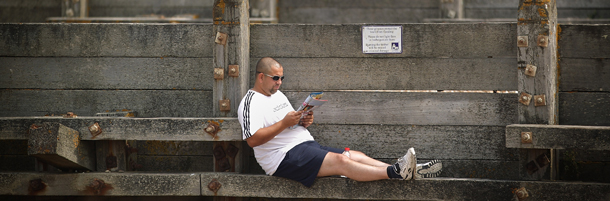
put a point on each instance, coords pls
(60, 146)
(558, 137)
(240, 185)
(537, 80)
(113, 128)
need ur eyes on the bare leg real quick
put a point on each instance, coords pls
(363, 158)
(339, 164)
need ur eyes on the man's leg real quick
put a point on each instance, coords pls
(363, 158)
(339, 164)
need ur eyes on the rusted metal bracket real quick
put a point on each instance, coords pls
(234, 70)
(522, 41)
(221, 38)
(526, 137)
(95, 129)
(525, 98)
(543, 41)
(530, 70)
(225, 105)
(539, 100)
(219, 73)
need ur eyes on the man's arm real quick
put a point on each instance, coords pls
(263, 135)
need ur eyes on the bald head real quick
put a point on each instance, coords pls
(265, 64)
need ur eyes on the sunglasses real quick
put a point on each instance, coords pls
(275, 78)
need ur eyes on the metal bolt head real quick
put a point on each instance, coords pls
(522, 41)
(526, 137)
(525, 98)
(522, 193)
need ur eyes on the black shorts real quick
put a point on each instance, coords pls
(302, 163)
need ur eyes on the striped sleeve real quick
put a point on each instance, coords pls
(246, 115)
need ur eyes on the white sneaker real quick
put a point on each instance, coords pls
(428, 170)
(407, 164)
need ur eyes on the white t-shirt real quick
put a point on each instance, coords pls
(258, 111)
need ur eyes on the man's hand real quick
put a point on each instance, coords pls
(292, 118)
(307, 119)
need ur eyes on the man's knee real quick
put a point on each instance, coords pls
(338, 159)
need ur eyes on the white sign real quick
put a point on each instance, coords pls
(382, 39)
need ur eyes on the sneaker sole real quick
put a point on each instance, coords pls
(428, 170)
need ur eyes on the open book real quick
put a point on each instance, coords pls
(312, 102)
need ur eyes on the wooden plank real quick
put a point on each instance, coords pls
(432, 142)
(176, 163)
(376, 107)
(584, 75)
(358, 4)
(351, 15)
(425, 189)
(397, 74)
(584, 41)
(177, 129)
(106, 40)
(584, 108)
(559, 137)
(147, 103)
(174, 148)
(105, 73)
(100, 184)
(419, 40)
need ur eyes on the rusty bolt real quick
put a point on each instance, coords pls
(95, 129)
(526, 137)
(97, 185)
(212, 128)
(525, 98)
(539, 100)
(36, 185)
(521, 41)
(522, 193)
(233, 70)
(214, 185)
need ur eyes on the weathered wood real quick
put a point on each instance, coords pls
(110, 155)
(231, 18)
(453, 9)
(176, 129)
(538, 20)
(584, 108)
(537, 81)
(60, 146)
(356, 11)
(432, 142)
(426, 189)
(419, 40)
(105, 73)
(175, 163)
(147, 103)
(584, 41)
(387, 108)
(107, 40)
(559, 137)
(197, 8)
(397, 73)
(100, 184)
(582, 74)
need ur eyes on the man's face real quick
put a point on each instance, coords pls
(271, 86)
